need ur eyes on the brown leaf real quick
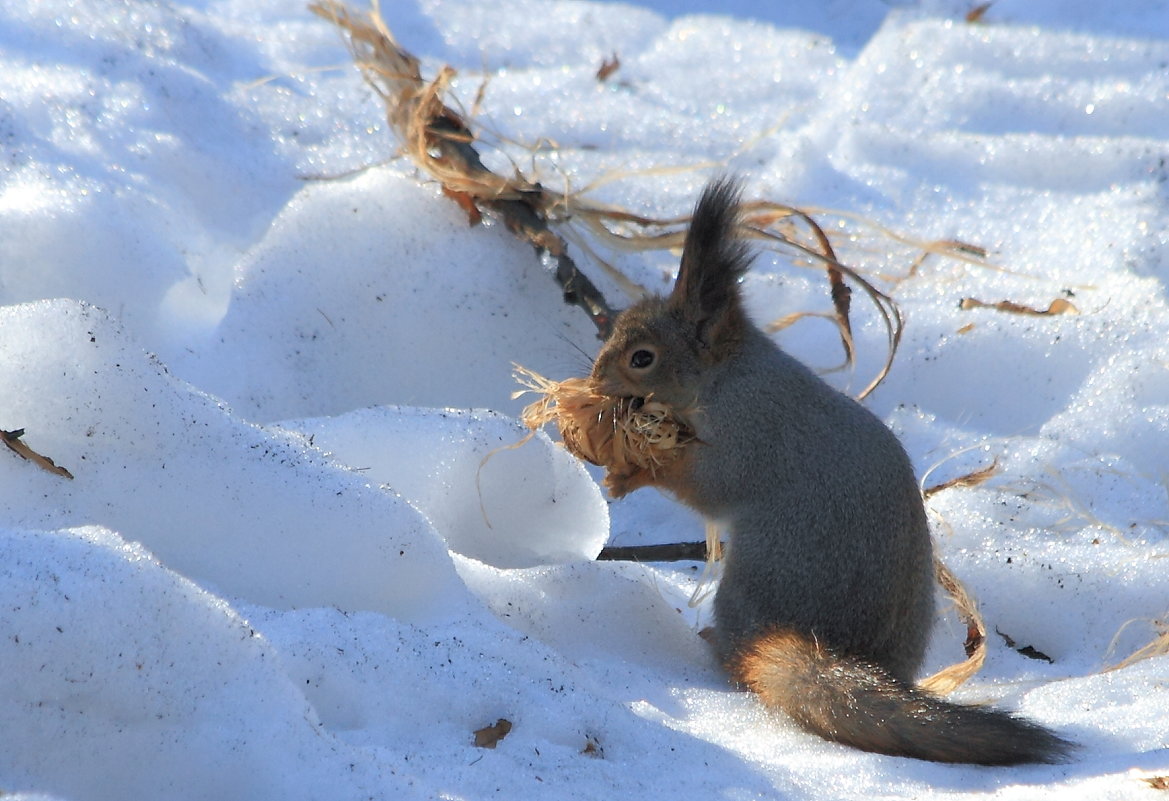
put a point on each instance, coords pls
(593, 748)
(1031, 652)
(608, 67)
(466, 203)
(1157, 782)
(12, 440)
(1057, 306)
(975, 14)
(489, 736)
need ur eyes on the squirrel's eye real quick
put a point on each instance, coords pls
(641, 359)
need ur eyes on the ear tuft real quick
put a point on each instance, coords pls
(714, 257)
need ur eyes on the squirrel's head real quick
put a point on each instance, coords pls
(666, 347)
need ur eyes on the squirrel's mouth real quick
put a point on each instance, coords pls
(618, 393)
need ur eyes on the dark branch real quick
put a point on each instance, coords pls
(673, 552)
(524, 217)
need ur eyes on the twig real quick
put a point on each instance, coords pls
(673, 552)
(523, 220)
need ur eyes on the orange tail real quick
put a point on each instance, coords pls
(862, 705)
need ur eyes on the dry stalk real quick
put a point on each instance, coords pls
(670, 552)
(1057, 306)
(974, 479)
(1158, 647)
(711, 571)
(950, 678)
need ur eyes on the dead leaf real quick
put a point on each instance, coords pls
(489, 736)
(1029, 651)
(1157, 782)
(12, 440)
(1057, 306)
(608, 67)
(593, 748)
(975, 14)
(966, 329)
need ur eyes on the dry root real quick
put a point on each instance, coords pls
(632, 438)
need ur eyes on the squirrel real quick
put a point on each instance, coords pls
(826, 599)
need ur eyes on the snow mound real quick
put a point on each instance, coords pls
(489, 494)
(171, 675)
(255, 514)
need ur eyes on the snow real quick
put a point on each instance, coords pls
(299, 559)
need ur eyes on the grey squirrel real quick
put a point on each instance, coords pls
(826, 599)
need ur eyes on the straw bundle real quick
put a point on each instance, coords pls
(632, 438)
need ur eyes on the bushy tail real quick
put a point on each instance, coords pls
(861, 705)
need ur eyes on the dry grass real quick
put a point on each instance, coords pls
(627, 437)
(1057, 495)
(442, 141)
(1159, 646)
(973, 479)
(951, 678)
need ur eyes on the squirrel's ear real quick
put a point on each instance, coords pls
(714, 258)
